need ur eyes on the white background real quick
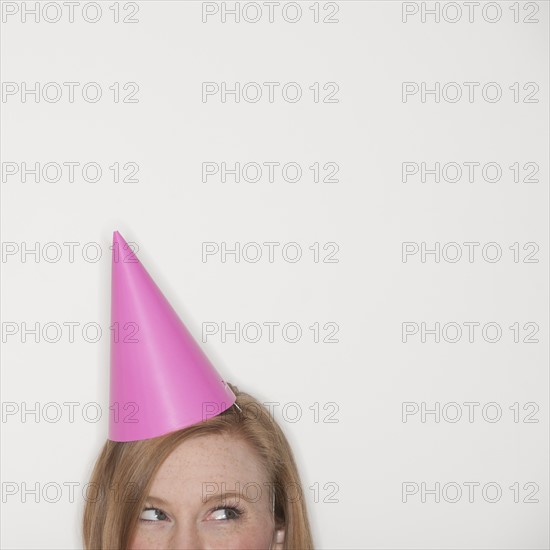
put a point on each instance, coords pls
(370, 452)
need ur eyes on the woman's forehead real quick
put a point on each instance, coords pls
(212, 463)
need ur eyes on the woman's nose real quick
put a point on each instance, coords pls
(185, 538)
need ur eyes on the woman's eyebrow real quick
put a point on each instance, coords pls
(225, 495)
(153, 499)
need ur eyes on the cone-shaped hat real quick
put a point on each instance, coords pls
(161, 380)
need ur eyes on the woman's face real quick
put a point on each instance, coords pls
(211, 492)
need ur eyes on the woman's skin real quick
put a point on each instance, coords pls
(202, 467)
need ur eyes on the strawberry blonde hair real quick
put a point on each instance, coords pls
(124, 472)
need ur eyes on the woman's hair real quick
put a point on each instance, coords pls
(124, 472)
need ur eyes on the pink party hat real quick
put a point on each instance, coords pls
(161, 380)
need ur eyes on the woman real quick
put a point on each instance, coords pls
(171, 476)
(260, 468)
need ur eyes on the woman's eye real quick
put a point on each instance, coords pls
(153, 514)
(225, 513)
